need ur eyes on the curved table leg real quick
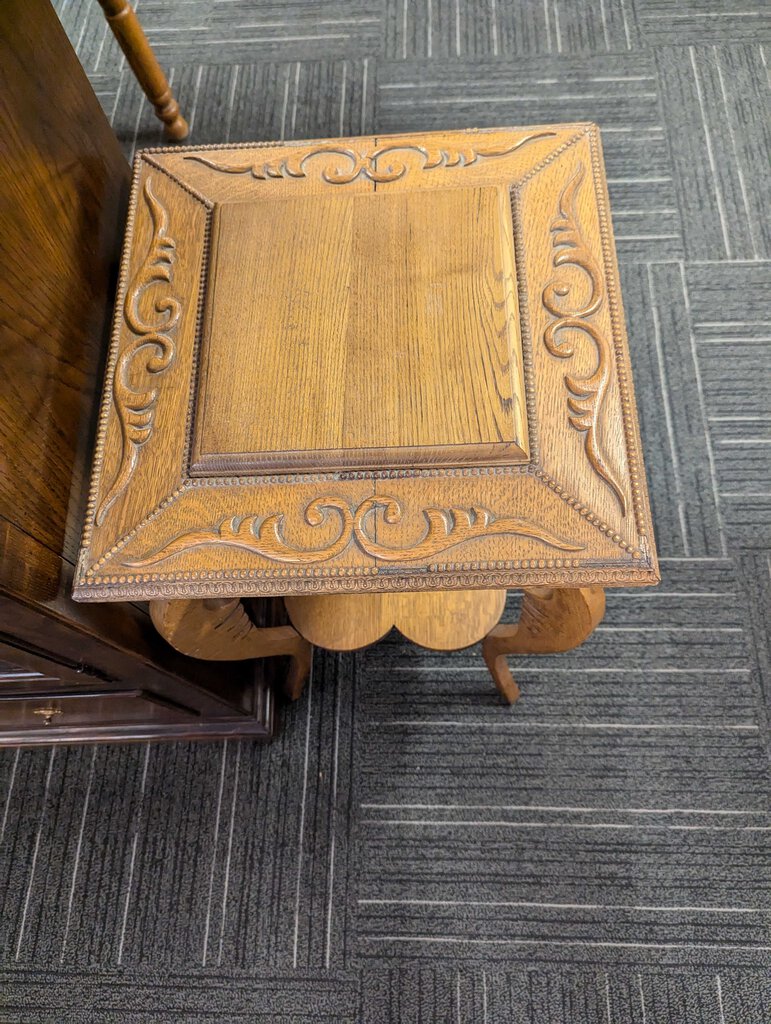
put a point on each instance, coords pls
(133, 41)
(220, 630)
(550, 621)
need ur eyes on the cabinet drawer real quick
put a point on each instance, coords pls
(20, 713)
(28, 669)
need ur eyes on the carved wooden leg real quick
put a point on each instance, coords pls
(550, 621)
(133, 41)
(220, 630)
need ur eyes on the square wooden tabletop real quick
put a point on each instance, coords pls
(368, 364)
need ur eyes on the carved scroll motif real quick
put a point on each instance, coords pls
(352, 164)
(444, 529)
(263, 535)
(149, 352)
(586, 395)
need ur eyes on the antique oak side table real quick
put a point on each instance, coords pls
(386, 378)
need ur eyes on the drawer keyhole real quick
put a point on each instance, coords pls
(47, 713)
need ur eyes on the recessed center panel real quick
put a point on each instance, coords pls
(358, 331)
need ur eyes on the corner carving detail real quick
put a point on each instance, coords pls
(383, 164)
(150, 351)
(586, 395)
(264, 535)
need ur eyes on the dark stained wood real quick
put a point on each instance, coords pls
(63, 195)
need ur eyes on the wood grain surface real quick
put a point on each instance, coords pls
(370, 330)
(322, 349)
(443, 621)
(64, 187)
(222, 630)
(550, 621)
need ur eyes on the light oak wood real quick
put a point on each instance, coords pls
(431, 273)
(443, 621)
(364, 370)
(452, 308)
(221, 630)
(551, 620)
(128, 31)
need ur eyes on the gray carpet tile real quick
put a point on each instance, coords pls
(732, 335)
(717, 112)
(409, 849)
(678, 447)
(242, 102)
(755, 570)
(697, 21)
(51, 996)
(618, 92)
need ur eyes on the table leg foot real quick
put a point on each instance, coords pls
(300, 658)
(551, 620)
(500, 671)
(221, 630)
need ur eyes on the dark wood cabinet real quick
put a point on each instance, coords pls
(102, 671)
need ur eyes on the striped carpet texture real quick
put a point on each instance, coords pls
(409, 850)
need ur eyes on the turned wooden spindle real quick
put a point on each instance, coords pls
(133, 41)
